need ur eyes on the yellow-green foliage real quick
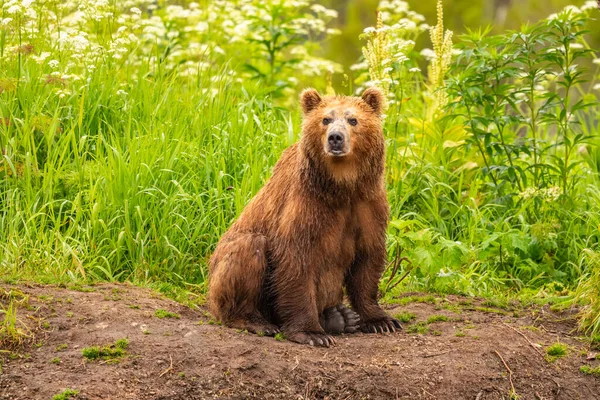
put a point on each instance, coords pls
(13, 332)
(588, 293)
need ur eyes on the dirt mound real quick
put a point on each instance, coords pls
(451, 348)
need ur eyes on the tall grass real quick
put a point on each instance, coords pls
(133, 134)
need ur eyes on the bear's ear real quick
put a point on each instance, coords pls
(310, 99)
(374, 98)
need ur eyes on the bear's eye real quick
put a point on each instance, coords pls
(326, 121)
(352, 121)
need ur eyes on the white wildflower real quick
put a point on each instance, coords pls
(15, 9)
(41, 58)
(576, 46)
(369, 30)
(360, 66)
(415, 69)
(589, 5)
(201, 26)
(529, 193)
(62, 93)
(53, 64)
(596, 61)
(596, 86)
(573, 9)
(428, 54)
(318, 8)
(136, 11)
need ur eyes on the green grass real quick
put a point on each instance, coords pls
(437, 318)
(556, 351)
(405, 316)
(489, 310)
(595, 342)
(13, 331)
(109, 352)
(66, 394)
(421, 328)
(80, 288)
(587, 370)
(127, 162)
(280, 337)
(161, 313)
(430, 299)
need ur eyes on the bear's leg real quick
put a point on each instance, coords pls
(362, 285)
(340, 319)
(295, 302)
(362, 280)
(237, 273)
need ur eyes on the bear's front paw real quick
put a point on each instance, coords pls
(311, 338)
(381, 325)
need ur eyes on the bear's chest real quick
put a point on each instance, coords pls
(334, 253)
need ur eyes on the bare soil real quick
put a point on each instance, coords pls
(468, 356)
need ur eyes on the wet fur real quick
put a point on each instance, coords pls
(316, 227)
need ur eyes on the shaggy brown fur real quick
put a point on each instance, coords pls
(316, 227)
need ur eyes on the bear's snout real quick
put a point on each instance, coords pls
(336, 143)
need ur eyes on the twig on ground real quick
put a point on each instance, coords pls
(557, 386)
(295, 366)
(435, 354)
(512, 386)
(168, 369)
(526, 338)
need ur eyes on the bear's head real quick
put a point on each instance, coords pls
(344, 133)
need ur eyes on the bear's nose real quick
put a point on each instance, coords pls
(335, 140)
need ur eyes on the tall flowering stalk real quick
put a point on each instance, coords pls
(377, 54)
(440, 62)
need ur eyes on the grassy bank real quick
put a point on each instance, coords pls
(133, 134)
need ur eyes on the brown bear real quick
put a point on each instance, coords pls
(317, 226)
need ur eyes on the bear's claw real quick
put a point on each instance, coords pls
(383, 325)
(312, 338)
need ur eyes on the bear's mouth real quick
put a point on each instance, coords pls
(336, 152)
